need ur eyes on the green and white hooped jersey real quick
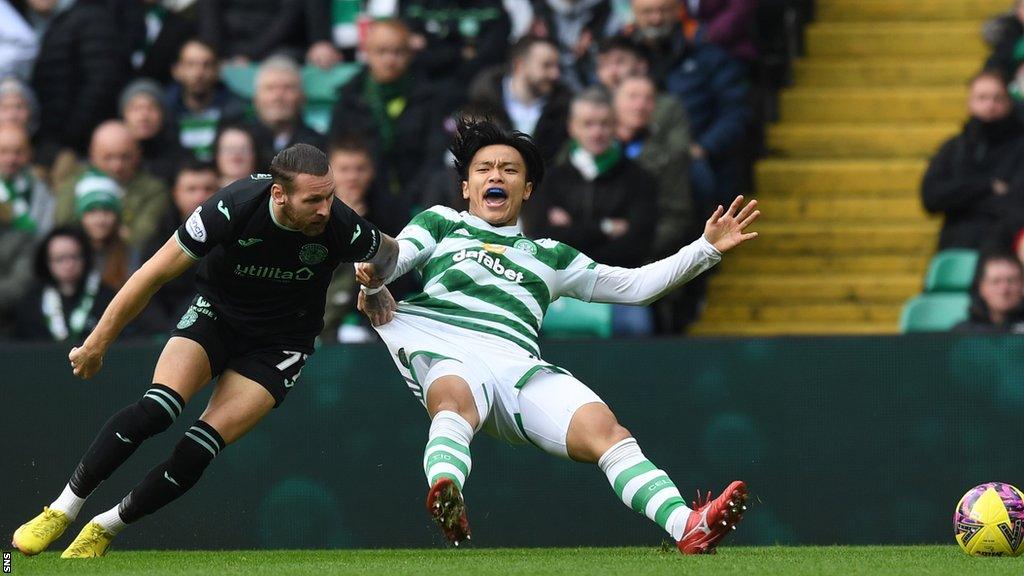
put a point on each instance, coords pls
(489, 279)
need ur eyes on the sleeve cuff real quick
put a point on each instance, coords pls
(708, 247)
(183, 247)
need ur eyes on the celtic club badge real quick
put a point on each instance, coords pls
(313, 254)
(526, 246)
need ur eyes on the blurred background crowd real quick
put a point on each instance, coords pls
(119, 117)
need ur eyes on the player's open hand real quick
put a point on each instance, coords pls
(85, 362)
(379, 307)
(725, 228)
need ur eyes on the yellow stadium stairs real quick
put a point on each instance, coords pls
(844, 240)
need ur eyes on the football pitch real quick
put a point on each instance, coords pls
(740, 561)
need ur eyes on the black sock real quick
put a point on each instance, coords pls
(173, 477)
(123, 434)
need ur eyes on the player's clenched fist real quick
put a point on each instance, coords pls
(85, 362)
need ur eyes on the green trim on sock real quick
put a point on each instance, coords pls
(442, 441)
(629, 473)
(648, 490)
(666, 509)
(442, 457)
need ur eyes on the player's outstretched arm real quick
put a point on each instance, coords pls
(723, 231)
(168, 263)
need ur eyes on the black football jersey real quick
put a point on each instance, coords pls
(265, 280)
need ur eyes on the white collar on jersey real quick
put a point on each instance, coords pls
(477, 222)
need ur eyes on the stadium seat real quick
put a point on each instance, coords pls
(934, 312)
(951, 271)
(571, 318)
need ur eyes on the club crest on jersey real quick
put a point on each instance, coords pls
(494, 248)
(491, 263)
(313, 254)
(261, 176)
(526, 246)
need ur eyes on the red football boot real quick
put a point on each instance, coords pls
(445, 504)
(713, 520)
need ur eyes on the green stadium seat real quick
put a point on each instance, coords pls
(934, 312)
(571, 318)
(951, 271)
(239, 79)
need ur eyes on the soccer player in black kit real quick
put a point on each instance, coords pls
(267, 247)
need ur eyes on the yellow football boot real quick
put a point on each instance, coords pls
(92, 542)
(35, 535)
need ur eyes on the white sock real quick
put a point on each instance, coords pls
(447, 452)
(68, 503)
(111, 521)
(643, 487)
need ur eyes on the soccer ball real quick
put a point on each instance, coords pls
(989, 520)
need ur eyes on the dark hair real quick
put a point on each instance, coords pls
(41, 261)
(298, 159)
(476, 133)
(201, 42)
(979, 308)
(224, 127)
(522, 47)
(989, 72)
(349, 143)
(623, 44)
(193, 165)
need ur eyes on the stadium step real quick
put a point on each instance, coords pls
(859, 140)
(744, 264)
(873, 105)
(897, 10)
(753, 289)
(931, 39)
(844, 240)
(816, 178)
(879, 72)
(755, 329)
(804, 312)
(844, 209)
(814, 238)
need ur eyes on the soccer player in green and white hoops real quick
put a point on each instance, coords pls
(467, 345)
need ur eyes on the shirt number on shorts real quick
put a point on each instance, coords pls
(292, 359)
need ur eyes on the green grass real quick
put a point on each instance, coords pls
(740, 561)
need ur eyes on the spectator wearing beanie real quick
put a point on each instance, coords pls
(98, 210)
(115, 153)
(142, 109)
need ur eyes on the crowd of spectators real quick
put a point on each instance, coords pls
(115, 124)
(976, 181)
